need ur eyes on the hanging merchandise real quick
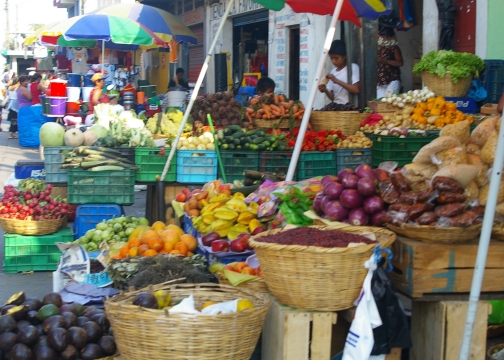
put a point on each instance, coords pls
(174, 50)
(447, 18)
(79, 57)
(39, 52)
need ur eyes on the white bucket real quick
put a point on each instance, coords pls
(176, 98)
(73, 93)
(86, 92)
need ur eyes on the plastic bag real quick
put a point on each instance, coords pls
(497, 315)
(477, 91)
(394, 331)
(30, 120)
(360, 339)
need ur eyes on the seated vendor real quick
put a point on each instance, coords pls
(97, 95)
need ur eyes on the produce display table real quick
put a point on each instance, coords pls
(426, 269)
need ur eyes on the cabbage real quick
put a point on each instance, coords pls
(99, 130)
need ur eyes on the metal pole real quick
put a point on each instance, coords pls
(7, 32)
(486, 232)
(197, 87)
(313, 92)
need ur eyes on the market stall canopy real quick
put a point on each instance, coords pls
(162, 23)
(37, 34)
(351, 10)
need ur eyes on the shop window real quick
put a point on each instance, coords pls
(188, 5)
(199, 3)
(179, 7)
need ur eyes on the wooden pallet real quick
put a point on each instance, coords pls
(425, 268)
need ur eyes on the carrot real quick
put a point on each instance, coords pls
(267, 114)
(276, 113)
(265, 117)
(286, 105)
(295, 108)
(249, 118)
(254, 101)
(301, 106)
(250, 110)
(266, 107)
(282, 110)
(276, 98)
(281, 98)
(274, 108)
(260, 111)
(299, 115)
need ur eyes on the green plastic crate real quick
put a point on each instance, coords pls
(316, 163)
(33, 252)
(275, 162)
(402, 150)
(53, 158)
(236, 162)
(101, 187)
(352, 158)
(151, 164)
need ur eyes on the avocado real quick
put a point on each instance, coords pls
(6, 308)
(58, 339)
(40, 328)
(20, 352)
(42, 341)
(32, 317)
(77, 337)
(47, 311)
(91, 352)
(108, 345)
(45, 352)
(70, 353)
(93, 331)
(7, 323)
(80, 308)
(16, 299)
(90, 314)
(52, 298)
(18, 312)
(21, 324)
(7, 341)
(88, 309)
(68, 308)
(102, 321)
(33, 304)
(81, 320)
(56, 321)
(28, 335)
(70, 319)
(146, 300)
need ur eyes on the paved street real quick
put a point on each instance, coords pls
(39, 283)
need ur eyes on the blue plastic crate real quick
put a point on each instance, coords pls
(25, 169)
(352, 158)
(222, 259)
(196, 166)
(493, 80)
(466, 105)
(89, 215)
(188, 226)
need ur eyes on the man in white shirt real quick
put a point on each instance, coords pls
(337, 87)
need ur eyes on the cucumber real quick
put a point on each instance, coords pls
(227, 139)
(281, 148)
(225, 146)
(246, 146)
(239, 147)
(258, 140)
(231, 147)
(245, 140)
(254, 175)
(238, 135)
(253, 147)
(266, 143)
(281, 137)
(261, 147)
(261, 133)
(236, 142)
(275, 144)
(233, 128)
(251, 132)
(227, 132)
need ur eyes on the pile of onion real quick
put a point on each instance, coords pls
(352, 197)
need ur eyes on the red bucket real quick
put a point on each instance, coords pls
(73, 107)
(57, 88)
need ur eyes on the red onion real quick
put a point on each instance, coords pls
(358, 217)
(366, 187)
(365, 171)
(373, 204)
(375, 218)
(333, 190)
(343, 173)
(335, 211)
(350, 181)
(351, 199)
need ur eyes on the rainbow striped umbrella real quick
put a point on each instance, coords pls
(350, 11)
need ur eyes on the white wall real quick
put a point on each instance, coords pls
(410, 43)
(430, 26)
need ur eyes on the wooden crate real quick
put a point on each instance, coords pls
(437, 329)
(425, 268)
(290, 334)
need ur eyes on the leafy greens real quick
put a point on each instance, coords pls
(458, 65)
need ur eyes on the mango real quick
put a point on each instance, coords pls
(239, 196)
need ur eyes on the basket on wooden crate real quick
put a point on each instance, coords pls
(26, 227)
(258, 285)
(346, 121)
(444, 86)
(307, 277)
(495, 330)
(440, 235)
(191, 336)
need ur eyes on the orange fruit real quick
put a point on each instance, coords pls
(175, 252)
(168, 247)
(148, 235)
(163, 252)
(124, 251)
(182, 247)
(142, 248)
(240, 266)
(175, 228)
(150, 252)
(170, 236)
(190, 241)
(248, 271)
(158, 225)
(134, 243)
(190, 254)
(116, 257)
(133, 252)
(156, 244)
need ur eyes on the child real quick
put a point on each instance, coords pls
(265, 85)
(338, 88)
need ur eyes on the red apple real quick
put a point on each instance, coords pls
(185, 191)
(243, 236)
(220, 246)
(181, 197)
(258, 230)
(238, 245)
(248, 271)
(209, 238)
(230, 268)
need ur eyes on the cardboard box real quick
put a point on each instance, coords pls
(489, 109)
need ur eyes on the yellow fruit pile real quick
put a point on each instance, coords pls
(227, 215)
(438, 112)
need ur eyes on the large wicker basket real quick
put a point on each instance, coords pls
(142, 333)
(317, 278)
(498, 233)
(346, 121)
(444, 86)
(277, 123)
(493, 349)
(439, 235)
(25, 227)
(258, 285)
(495, 330)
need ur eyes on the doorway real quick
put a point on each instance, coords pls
(294, 55)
